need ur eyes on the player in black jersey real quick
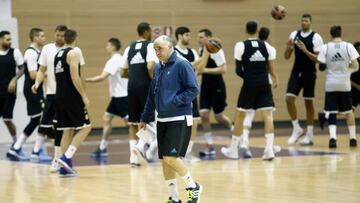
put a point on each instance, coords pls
(212, 90)
(139, 64)
(34, 101)
(355, 82)
(183, 37)
(71, 102)
(255, 60)
(10, 60)
(302, 77)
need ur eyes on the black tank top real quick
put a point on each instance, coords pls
(138, 72)
(211, 80)
(254, 60)
(189, 56)
(7, 71)
(65, 89)
(28, 83)
(302, 62)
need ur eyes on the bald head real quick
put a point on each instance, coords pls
(163, 48)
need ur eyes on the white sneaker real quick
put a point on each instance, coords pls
(307, 141)
(268, 154)
(134, 162)
(276, 149)
(141, 160)
(230, 153)
(55, 166)
(296, 134)
(190, 158)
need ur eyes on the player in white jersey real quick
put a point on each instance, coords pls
(46, 69)
(118, 105)
(340, 58)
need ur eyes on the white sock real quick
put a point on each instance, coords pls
(189, 149)
(232, 128)
(269, 140)
(173, 190)
(140, 144)
(249, 118)
(70, 152)
(57, 152)
(132, 144)
(235, 142)
(190, 183)
(352, 131)
(39, 141)
(103, 144)
(208, 138)
(296, 124)
(332, 130)
(310, 131)
(245, 134)
(19, 142)
(152, 148)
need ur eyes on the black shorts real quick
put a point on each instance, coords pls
(48, 115)
(173, 138)
(7, 103)
(71, 115)
(34, 104)
(299, 80)
(338, 102)
(118, 106)
(195, 109)
(137, 100)
(355, 95)
(214, 98)
(255, 98)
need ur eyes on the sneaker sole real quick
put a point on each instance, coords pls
(12, 157)
(307, 144)
(297, 139)
(140, 156)
(66, 166)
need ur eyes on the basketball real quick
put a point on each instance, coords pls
(278, 12)
(213, 45)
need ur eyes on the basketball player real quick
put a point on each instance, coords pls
(10, 60)
(71, 102)
(118, 105)
(171, 92)
(212, 90)
(34, 101)
(303, 76)
(139, 60)
(355, 82)
(183, 37)
(340, 58)
(46, 62)
(256, 59)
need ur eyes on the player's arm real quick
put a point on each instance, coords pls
(201, 65)
(271, 69)
(239, 68)
(12, 84)
(302, 47)
(216, 71)
(98, 78)
(40, 76)
(73, 59)
(354, 65)
(289, 49)
(150, 67)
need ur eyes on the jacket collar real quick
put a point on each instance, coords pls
(171, 60)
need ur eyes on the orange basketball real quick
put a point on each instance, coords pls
(278, 12)
(213, 45)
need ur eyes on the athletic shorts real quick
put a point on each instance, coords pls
(255, 98)
(173, 138)
(34, 104)
(7, 104)
(195, 109)
(213, 98)
(338, 102)
(137, 100)
(48, 115)
(71, 115)
(355, 95)
(302, 81)
(118, 106)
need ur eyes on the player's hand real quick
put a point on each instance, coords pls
(142, 125)
(86, 101)
(34, 88)
(301, 46)
(12, 86)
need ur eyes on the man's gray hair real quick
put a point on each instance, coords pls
(163, 40)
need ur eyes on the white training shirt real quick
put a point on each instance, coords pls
(317, 40)
(47, 58)
(185, 52)
(218, 57)
(337, 56)
(240, 47)
(31, 57)
(150, 56)
(17, 56)
(117, 84)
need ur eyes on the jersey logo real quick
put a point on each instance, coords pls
(173, 151)
(138, 46)
(137, 58)
(337, 57)
(254, 44)
(257, 56)
(59, 68)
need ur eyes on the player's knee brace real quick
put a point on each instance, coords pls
(34, 122)
(58, 137)
(49, 132)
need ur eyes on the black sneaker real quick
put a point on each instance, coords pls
(208, 151)
(171, 201)
(353, 143)
(193, 194)
(332, 143)
(100, 153)
(321, 119)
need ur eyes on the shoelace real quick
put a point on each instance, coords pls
(190, 195)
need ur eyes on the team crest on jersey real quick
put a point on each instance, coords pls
(337, 57)
(257, 56)
(137, 58)
(59, 68)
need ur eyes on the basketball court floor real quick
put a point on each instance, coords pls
(298, 174)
